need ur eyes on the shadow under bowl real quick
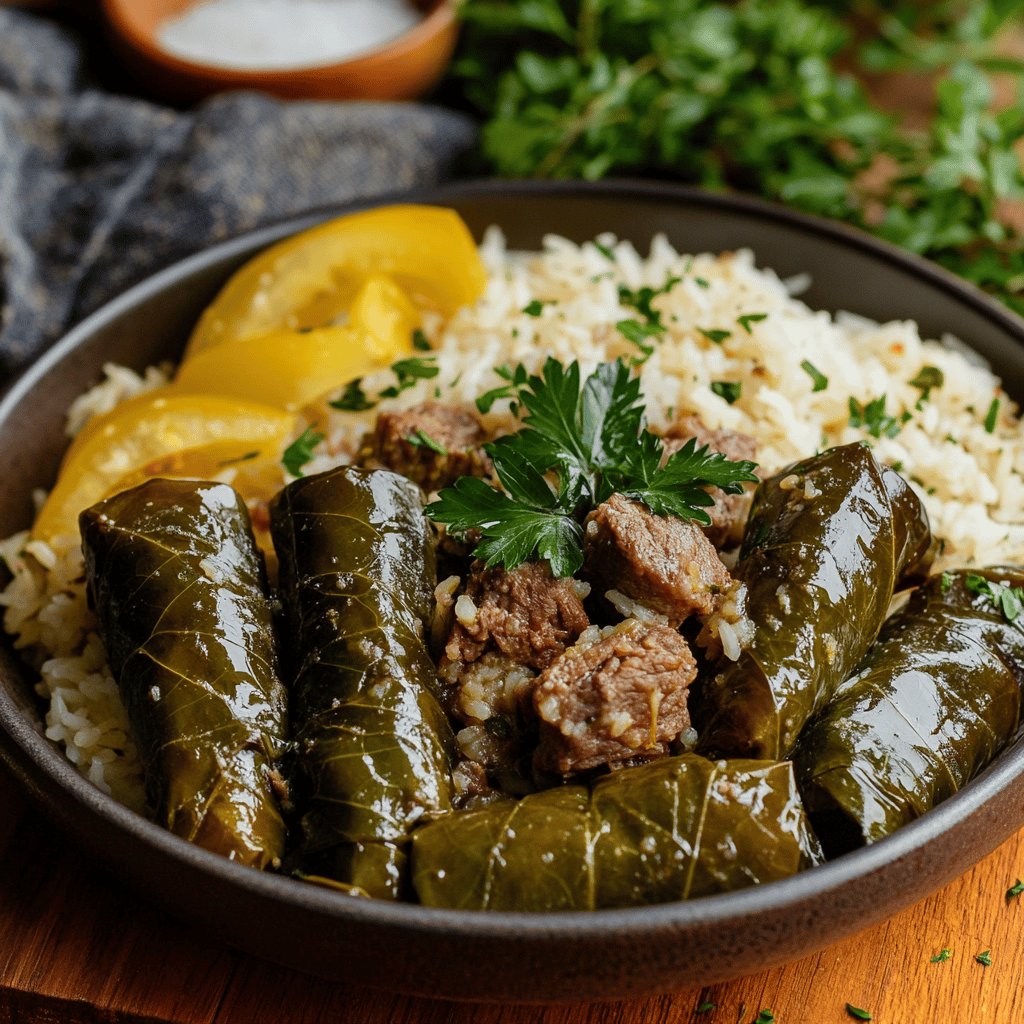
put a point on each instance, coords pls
(504, 956)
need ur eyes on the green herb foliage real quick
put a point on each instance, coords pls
(300, 451)
(515, 379)
(750, 318)
(985, 959)
(992, 416)
(857, 1013)
(353, 398)
(927, 378)
(715, 334)
(942, 956)
(1015, 890)
(421, 439)
(408, 372)
(1009, 600)
(874, 419)
(765, 1017)
(580, 442)
(729, 390)
(706, 1007)
(818, 380)
(420, 342)
(759, 95)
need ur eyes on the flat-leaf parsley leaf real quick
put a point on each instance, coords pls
(580, 442)
(857, 1013)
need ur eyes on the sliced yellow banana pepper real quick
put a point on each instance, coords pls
(162, 431)
(290, 369)
(310, 279)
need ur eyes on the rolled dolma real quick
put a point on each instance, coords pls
(178, 587)
(372, 745)
(827, 543)
(935, 700)
(668, 830)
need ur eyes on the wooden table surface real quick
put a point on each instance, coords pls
(78, 948)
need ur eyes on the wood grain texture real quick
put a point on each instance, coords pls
(77, 948)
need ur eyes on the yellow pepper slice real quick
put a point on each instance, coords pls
(290, 369)
(309, 279)
(157, 426)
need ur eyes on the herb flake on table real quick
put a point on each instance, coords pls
(765, 1017)
(1009, 600)
(580, 442)
(818, 380)
(941, 957)
(985, 959)
(706, 1007)
(1014, 891)
(300, 452)
(857, 1013)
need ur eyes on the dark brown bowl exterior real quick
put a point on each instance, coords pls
(464, 955)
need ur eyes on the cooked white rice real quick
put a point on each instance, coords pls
(971, 480)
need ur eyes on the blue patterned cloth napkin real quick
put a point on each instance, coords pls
(98, 191)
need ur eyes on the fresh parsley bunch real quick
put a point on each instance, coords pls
(578, 445)
(758, 95)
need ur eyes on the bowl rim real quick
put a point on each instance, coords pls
(813, 884)
(440, 18)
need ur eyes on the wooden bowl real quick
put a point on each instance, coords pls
(462, 954)
(402, 69)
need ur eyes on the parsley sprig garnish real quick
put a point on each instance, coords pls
(580, 442)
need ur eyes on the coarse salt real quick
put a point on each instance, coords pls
(275, 35)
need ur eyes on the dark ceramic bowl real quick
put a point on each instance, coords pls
(469, 955)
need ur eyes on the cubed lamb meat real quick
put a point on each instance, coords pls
(523, 613)
(662, 562)
(432, 444)
(622, 697)
(729, 512)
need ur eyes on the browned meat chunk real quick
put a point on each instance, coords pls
(729, 512)
(432, 444)
(664, 563)
(623, 696)
(525, 614)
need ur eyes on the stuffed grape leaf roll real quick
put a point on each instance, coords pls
(372, 745)
(178, 587)
(669, 830)
(828, 541)
(934, 701)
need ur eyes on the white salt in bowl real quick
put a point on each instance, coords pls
(401, 69)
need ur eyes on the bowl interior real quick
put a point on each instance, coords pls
(613, 953)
